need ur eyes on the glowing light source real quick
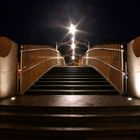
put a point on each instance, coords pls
(72, 57)
(13, 98)
(72, 29)
(73, 46)
(73, 39)
(129, 99)
(73, 52)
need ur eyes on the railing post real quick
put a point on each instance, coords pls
(125, 68)
(122, 58)
(88, 45)
(20, 69)
(122, 68)
(126, 78)
(58, 60)
(56, 46)
(87, 58)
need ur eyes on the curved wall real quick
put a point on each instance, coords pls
(8, 67)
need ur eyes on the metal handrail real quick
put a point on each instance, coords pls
(105, 64)
(40, 63)
(34, 62)
(108, 49)
(40, 49)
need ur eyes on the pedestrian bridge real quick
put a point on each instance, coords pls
(96, 98)
(21, 66)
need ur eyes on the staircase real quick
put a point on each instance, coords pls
(70, 103)
(72, 80)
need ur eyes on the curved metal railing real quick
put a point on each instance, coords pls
(108, 60)
(36, 60)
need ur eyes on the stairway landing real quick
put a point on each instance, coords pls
(71, 101)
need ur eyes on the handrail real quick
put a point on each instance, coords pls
(40, 63)
(40, 49)
(109, 62)
(106, 64)
(34, 62)
(108, 49)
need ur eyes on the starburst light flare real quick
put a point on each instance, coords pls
(72, 29)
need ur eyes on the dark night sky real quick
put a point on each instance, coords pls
(42, 21)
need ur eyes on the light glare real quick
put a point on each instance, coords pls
(13, 98)
(72, 29)
(73, 46)
(73, 39)
(129, 99)
(73, 57)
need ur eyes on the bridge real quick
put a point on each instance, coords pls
(44, 98)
